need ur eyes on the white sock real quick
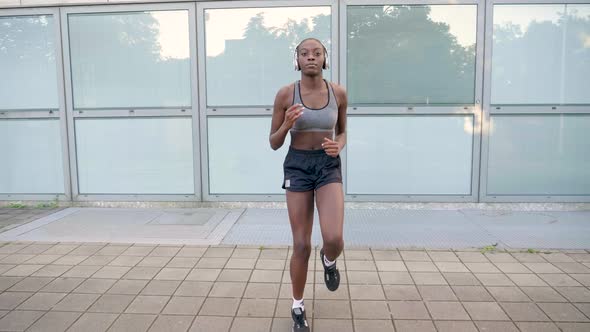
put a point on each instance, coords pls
(328, 262)
(298, 304)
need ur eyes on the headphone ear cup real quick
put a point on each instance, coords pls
(295, 62)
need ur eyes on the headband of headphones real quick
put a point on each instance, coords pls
(325, 65)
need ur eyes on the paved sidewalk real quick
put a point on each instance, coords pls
(13, 217)
(138, 287)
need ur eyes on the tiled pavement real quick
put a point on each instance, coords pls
(125, 287)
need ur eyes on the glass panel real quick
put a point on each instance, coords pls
(135, 156)
(27, 63)
(411, 54)
(240, 158)
(409, 155)
(250, 51)
(130, 60)
(31, 157)
(555, 38)
(539, 155)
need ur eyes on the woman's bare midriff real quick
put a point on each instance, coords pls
(309, 140)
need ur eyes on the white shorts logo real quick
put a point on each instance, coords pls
(287, 183)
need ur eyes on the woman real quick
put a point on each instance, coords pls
(313, 111)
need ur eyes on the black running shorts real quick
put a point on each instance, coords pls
(307, 170)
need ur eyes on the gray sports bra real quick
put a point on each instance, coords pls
(323, 119)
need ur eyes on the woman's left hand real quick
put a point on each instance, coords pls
(331, 147)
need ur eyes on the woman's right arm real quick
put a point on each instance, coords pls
(283, 118)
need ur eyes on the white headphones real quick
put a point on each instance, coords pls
(326, 64)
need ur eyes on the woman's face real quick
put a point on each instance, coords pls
(310, 56)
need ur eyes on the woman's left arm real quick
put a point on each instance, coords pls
(341, 123)
(333, 147)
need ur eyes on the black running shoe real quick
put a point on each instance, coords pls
(299, 320)
(331, 274)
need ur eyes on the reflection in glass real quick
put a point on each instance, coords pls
(240, 160)
(539, 155)
(135, 156)
(31, 157)
(250, 51)
(27, 63)
(409, 155)
(411, 54)
(130, 60)
(541, 54)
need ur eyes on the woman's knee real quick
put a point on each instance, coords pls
(334, 242)
(302, 249)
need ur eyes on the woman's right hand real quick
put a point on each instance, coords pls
(292, 114)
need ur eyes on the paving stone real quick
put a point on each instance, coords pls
(262, 290)
(574, 327)
(461, 279)
(401, 292)
(257, 308)
(52, 271)
(333, 325)
(184, 305)
(415, 256)
(30, 284)
(203, 274)
(408, 310)
(242, 275)
(247, 324)
(395, 278)
(537, 327)
(166, 323)
(451, 267)
(443, 310)
(42, 301)
(19, 320)
(161, 287)
(132, 323)
(490, 326)
(96, 286)
(524, 312)
(211, 323)
(366, 292)
(543, 294)
(194, 288)
(10, 300)
(170, 273)
(142, 273)
(485, 311)
(472, 293)
(559, 280)
(455, 326)
(428, 278)
(144, 304)
(55, 322)
(220, 306)
(437, 293)
(128, 287)
(414, 325)
(563, 312)
(228, 289)
(111, 303)
(62, 285)
(111, 272)
(76, 302)
(370, 310)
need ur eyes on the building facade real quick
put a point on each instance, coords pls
(449, 101)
